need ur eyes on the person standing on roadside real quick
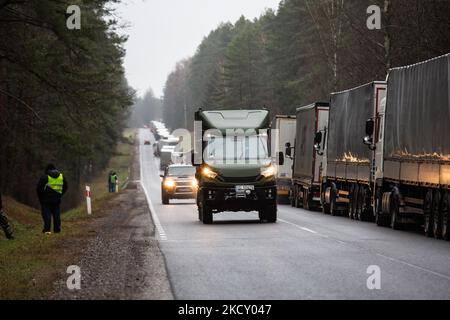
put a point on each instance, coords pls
(110, 183)
(113, 179)
(50, 189)
(4, 223)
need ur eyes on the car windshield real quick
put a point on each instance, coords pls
(237, 149)
(181, 171)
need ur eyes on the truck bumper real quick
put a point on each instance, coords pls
(226, 199)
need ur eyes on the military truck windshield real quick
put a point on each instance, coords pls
(181, 171)
(237, 149)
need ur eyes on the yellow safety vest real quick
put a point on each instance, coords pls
(56, 183)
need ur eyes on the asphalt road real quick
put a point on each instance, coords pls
(306, 255)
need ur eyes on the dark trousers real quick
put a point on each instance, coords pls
(112, 187)
(5, 225)
(50, 211)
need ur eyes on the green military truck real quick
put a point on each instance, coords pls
(234, 167)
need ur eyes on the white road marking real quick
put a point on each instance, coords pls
(298, 227)
(414, 266)
(159, 228)
(378, 254)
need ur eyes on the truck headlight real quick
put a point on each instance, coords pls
(194, 183)
(208, 173)
(169, 183)
(269, 171)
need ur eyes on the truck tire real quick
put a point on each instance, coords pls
(333, 203)
(437, 218)
(325, 205)
(268, 214)
(296, 201)
(206, 214)
(352, 210)
(427, 214)
(363, 204)
(445, 212)
(380, 217)
(306, 200)
(395, 209)
(165, 198)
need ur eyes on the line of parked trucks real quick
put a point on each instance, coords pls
(377, 152)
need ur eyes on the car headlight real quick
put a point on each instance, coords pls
(169, 183)
(207, 172)
(269, 171)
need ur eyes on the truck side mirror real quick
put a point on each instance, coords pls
(318, 138)
(280, 158)
(368, 139)
(370, 126)
(288, 150)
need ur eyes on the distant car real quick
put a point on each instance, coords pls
(147, 142)
(178, 182)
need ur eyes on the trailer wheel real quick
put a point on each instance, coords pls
(296, 201)
(353, 202)
(427, 214)
(445, 211)
(437, 219)
(363, 204)
(395, 209)
(306, 200)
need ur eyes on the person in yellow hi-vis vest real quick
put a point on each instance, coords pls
(50, 189)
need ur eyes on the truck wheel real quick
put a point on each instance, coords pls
(333, 203)
(380, 217)
(268, 214)
(363, 206)
(296, 201)
(207, 214)
(353, 202)
(427, 214)
(445, 211)
(165, 198)
(325, 205)
(306, 200)
(437, 219)
(395, 210)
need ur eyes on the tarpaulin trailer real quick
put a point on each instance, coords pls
(414, 181)
(308, 164)
(347, 185)
(283, 132)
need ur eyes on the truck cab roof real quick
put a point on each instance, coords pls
(234, 119)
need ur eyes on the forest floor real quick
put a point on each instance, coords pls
(115, 248)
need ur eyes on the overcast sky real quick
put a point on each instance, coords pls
(162, 32)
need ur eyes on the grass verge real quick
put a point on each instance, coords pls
(31, 263)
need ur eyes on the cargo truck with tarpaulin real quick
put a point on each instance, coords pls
(413, 162)
(308, 165)
(235, 171)
(283, 132)
(347, 184)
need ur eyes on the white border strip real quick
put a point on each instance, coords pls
(159, 229)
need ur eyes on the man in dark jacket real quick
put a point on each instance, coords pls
(50, 189)
(4, 223)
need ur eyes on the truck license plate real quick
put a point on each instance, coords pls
(240, 189)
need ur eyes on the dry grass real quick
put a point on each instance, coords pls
(31, 263)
